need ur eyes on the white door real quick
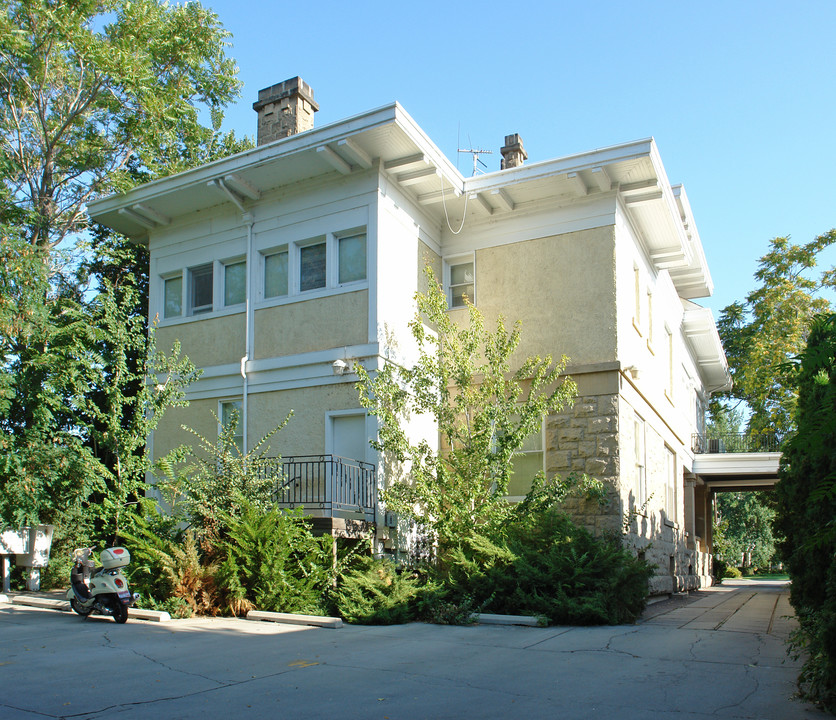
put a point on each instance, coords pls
(348, 436)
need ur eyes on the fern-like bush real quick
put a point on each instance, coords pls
(373, 592)
(545, 565)
(271, 561)
(169, 570)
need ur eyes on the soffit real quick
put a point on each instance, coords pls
(704, 340)
(389, 141)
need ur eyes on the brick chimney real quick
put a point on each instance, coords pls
(284, 109)
(513, 153)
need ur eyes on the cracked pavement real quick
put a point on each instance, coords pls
(719, 654)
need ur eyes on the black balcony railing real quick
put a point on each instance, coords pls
(326, 483)
(735, 443)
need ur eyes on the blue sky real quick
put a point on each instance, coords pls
(740, 96)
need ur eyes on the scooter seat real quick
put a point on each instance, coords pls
(79, 586)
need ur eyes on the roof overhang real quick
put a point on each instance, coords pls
(704, 341)
(388, 140)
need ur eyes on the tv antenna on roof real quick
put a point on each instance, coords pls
(476, 152)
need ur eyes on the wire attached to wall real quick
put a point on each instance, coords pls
(447, 217)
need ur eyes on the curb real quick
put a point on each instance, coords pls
(294, 619)
(64, 605)
(491, 619)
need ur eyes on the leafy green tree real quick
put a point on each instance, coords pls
(770, 326)
(745, 529)
(89, 87)
(806, 504)
(97, 96)
(463, 380)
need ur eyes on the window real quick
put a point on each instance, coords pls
(462, 285)
(650, 321)
(525, 464)
(352, 258)
(670, 484)
(312, 267)
(201, 282)
(173, 297)
(323, 263)
(231, 415)
(669, 360)
(235, 283)
(639, 450)
(275, 274)
(637, 290)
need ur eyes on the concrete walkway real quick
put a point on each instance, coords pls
(721, 655)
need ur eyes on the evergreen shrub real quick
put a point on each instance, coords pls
(271, 561)
(545, 565)
(806, 508)
(373, 592)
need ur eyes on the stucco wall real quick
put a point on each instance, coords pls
(215, 341)
(561, 287)
(313, 324)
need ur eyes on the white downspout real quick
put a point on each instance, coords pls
(249, 329)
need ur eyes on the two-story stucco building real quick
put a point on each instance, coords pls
(279, 267)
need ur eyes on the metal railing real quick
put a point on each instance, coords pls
(735, 443)
(324, 482)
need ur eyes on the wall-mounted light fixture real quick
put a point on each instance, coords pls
(339, 366)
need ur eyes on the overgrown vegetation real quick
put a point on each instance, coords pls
(461, 379)
(806, 502)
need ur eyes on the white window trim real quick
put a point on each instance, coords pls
(222, 265)
(164, 278)
(448, 264)
(294, 268)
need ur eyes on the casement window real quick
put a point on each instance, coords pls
(670, 484)
(313, 266)
(173, 296)
(461, 286)
(637, 292)
(641, 462)
(201, 289)
(669, 361)
(351, 258)
(235, 283)
(230, 413)
(205, 288)
(525, 464)
(275, 274)
(324, 263)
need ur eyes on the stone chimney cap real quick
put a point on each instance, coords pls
(288, 88)
(513, 153)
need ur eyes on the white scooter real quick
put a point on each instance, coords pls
(103, 589)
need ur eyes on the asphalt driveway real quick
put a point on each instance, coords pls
(721, 655)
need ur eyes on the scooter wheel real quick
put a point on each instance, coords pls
(120, 612)
(79, 608)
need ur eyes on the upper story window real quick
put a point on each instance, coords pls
(313, 267)
(235, 283)
(173, 296)
(201, 286)
(204, 288)
(323, 263)
(352, 258)
(461, 284)
(275, 274)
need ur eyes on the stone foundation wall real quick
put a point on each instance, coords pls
(584, 439)
(595, 437)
